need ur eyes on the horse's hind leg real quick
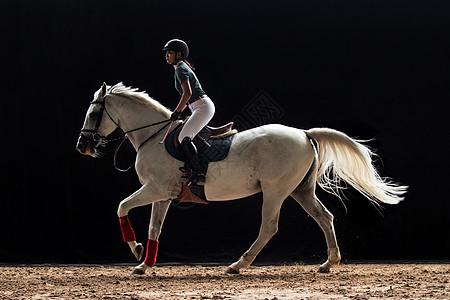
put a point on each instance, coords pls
(272, 202)
(305, 195)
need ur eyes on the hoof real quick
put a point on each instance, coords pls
(323, 269)
(138, 271)
(138, 251)
(334, 257)
(231, 271)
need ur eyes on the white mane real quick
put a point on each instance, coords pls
(140, 97)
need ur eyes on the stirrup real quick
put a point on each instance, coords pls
(185, 172)
(198, 179)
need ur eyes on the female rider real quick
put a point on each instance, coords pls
(192, 95)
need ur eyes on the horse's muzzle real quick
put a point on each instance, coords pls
(83, 145)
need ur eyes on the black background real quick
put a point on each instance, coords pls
(373, 69)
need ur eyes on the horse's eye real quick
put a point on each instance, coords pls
(93, 114)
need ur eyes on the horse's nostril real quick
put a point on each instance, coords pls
(81, 147)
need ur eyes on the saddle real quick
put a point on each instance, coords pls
(208, 132)
(212, 143)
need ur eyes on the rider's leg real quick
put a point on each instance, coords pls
(195, 163)
(202, 112)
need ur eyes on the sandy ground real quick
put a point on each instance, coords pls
(351, 281)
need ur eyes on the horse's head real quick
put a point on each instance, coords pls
(96, 126)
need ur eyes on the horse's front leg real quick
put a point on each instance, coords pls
(159, 211)
(145, 195)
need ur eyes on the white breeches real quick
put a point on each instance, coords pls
(202, 112)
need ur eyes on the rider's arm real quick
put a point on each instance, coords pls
(187, 93)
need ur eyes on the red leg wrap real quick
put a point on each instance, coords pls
(152, 251)
(127, 231)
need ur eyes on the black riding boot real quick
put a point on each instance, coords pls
(194, 162)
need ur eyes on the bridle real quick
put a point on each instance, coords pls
(99, 139)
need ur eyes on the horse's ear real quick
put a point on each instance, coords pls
(104, 89)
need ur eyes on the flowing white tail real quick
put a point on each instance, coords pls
(344, 158)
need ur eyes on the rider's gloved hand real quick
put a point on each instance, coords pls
(176, 115)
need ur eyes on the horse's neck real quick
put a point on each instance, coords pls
(133, 115)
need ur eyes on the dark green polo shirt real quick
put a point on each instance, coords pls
(184, 73)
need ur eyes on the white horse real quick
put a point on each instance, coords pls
(276, 160)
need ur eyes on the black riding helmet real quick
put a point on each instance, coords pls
(177, 46)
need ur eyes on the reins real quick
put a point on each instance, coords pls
(146, 126)
(124, 137)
